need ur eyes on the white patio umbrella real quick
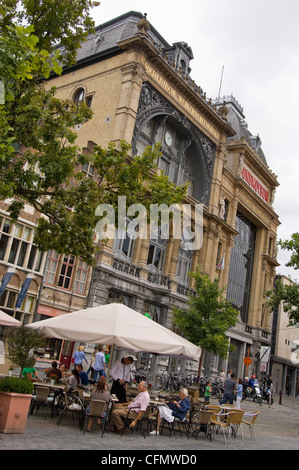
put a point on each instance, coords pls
(118, 325)
(7, 320)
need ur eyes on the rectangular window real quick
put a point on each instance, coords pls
(3, 245)
(81, 277)
(13, 251)
(51, 267)
(66, 272)
(32, 257)
(22, 253)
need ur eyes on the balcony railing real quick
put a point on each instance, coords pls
(156, 278)
(126, 267)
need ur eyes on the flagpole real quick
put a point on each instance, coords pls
(220, 82)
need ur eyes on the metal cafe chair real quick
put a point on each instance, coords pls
(97, 409)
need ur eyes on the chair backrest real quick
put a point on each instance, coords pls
(237, 417)
(205, 416)
(42, 393)
(147, 412)
(97, 408)
(229, 417)
(213, 407)
(73, 402)
(252, 415)
(80, 393)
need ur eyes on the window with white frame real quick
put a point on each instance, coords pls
(184, 257)
(184, 266)
(124, 242)
(81, 277)
(156, 253)
(17, 247)
(51, 267)
(62, 269)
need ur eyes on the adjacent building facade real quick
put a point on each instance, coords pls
(284, 366)
(140, 90)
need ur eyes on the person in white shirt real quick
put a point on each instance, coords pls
(137, 408)
(120, 373)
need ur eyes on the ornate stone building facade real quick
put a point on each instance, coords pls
(141, 91)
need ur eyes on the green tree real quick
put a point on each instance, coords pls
(208, 318)
(288, 294)
(39, 158)
(21, 341)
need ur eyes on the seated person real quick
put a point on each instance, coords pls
(74, 380)
(138, 406)
(173, 409)
(54, 371)
(30, 373)
(100, 393)
(64, 372)
(83, 375)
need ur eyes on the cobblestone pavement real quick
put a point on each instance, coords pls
(277, 428)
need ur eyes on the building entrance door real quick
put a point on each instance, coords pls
(66, 353)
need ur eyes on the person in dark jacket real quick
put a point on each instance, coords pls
(174, 409)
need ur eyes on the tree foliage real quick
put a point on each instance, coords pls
(21, 341)
(39, 158)
(288, 294)
(208, 317)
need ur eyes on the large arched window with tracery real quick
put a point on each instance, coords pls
(187, 155)
(241, 266)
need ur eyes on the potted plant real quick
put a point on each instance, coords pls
(16, 392)
(15, 399)
(10, 370)
(53, 379)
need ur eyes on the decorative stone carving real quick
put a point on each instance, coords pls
(143, 25)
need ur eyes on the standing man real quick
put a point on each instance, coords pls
(99, 364)
(229, 390)
(120, 373)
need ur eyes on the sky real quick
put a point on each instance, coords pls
(253, 46)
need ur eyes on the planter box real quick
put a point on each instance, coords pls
(14, 408)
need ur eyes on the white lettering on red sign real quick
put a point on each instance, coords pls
(254, 183)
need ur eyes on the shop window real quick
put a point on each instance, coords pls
(51, 350)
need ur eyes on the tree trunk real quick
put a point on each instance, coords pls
(200, 365)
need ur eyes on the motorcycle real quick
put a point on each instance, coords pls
(253, 393)
(217, 390)
(266, 394)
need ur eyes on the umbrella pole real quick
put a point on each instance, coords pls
(109, 363)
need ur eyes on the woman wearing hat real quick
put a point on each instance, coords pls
(173, 409)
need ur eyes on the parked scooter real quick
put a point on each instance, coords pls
(217, 390)
(266, 394)
(253, 391)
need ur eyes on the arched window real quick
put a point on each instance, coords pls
(79, 96)
(241, 266)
